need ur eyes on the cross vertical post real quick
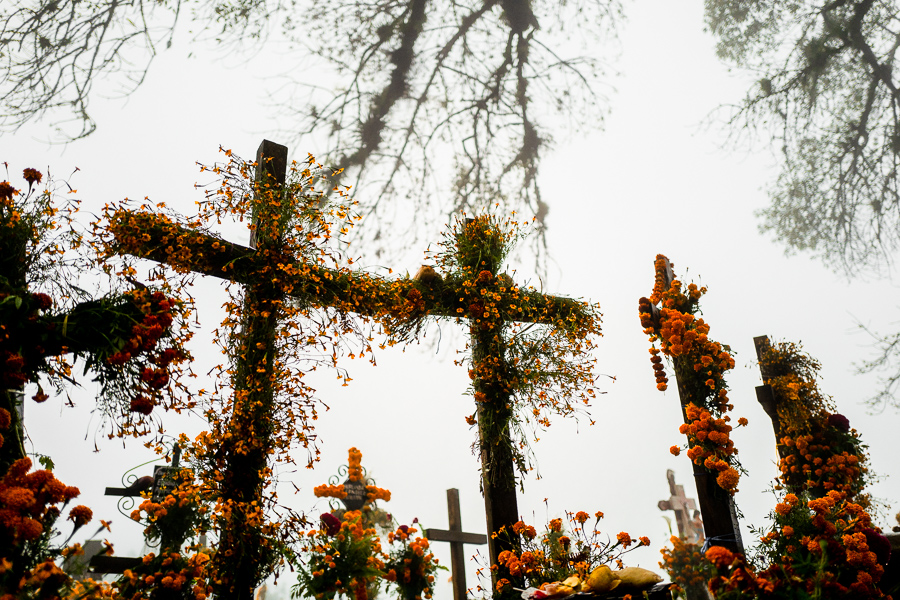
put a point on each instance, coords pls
(457, 538)
(12, 269)
(247, 441)
(720, 522)
(764, 394)
(493, 399)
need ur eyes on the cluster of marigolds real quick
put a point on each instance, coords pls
(344, 556)
(821, 542)
(700, 364)
(355, 474)
(562, 550)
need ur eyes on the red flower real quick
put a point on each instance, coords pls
(142, 405)
(330, 523)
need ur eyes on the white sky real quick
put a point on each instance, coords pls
(653, 181)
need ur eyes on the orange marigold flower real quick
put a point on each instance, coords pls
(728, 479)
(743, 421)
(675, 450)
(598, 514)
(582, 516)
(720, 556)
(624, 539)
(81, 515)
(556, 525)
(645, 541)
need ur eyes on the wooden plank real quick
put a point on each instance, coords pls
(442, 535)
(102, 563)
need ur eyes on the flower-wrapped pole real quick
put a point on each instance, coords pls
(247, 441)
(699, 364)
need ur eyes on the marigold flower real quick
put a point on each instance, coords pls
(582, 516)
(81, 515)
(675, 450)
(32, 176)
(624, 539)
(7, 191)
(728, 479)
(720, 556)
(556, 525)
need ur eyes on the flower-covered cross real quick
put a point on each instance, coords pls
(518, 377)
(356, 492)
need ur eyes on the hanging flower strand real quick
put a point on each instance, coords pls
(700, 365)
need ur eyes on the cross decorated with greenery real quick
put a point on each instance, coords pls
(529, 352)
(125, 339)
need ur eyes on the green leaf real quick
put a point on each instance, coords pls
(18, 302)
(46, 462)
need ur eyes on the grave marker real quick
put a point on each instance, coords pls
(457, 538)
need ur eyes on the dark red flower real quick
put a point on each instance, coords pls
(879, 544)
(43, 301)
(7, 191)
(839, 422)
(330, 523)
(142, 405)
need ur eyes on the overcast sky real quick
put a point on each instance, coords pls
(654, 181)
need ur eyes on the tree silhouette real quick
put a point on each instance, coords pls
(441, 106)
(827, 97)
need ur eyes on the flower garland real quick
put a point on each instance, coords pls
(521, 375)
(700, 365)
(818, 449)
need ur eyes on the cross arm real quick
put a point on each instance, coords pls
(157, 238)
(442, 535)
(89, 328)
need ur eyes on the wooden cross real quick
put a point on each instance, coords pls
(84, 331)
(681, 505)
(457, 538)
(146, 236)
(720, 522)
